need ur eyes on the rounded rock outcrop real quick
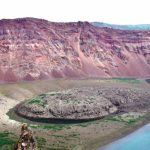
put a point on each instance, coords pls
(83, 103)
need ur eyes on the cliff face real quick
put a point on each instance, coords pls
(37, 49)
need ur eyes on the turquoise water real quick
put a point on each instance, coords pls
(138, 140)
(122, 27)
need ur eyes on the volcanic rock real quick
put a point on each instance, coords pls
(84, 103)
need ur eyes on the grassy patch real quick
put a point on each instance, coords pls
(39, 100)
(71, 135)
(6, 141)
(54, 127)
(127, 80)
(41, 142)
(126, 118)
(85, 124)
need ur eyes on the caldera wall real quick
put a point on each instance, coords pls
(33, 49)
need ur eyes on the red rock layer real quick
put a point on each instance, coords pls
(37, 49)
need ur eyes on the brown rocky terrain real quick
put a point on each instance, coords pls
(37, 49)
(85, 103)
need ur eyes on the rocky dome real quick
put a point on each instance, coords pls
(33, 49)
(84, 103)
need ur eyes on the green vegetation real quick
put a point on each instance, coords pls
(127, 80)
(54, 127)
(41, 142)
(83, 124)
(5, 141)
(42, 95)
(39, 100)
(126, 118)
(71, 135)
(58, 127)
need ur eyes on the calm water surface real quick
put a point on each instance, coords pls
(138, 140)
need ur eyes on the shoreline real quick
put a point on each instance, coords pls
(99, 142)
(89, 136)
(112, 137)
(7, 104)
